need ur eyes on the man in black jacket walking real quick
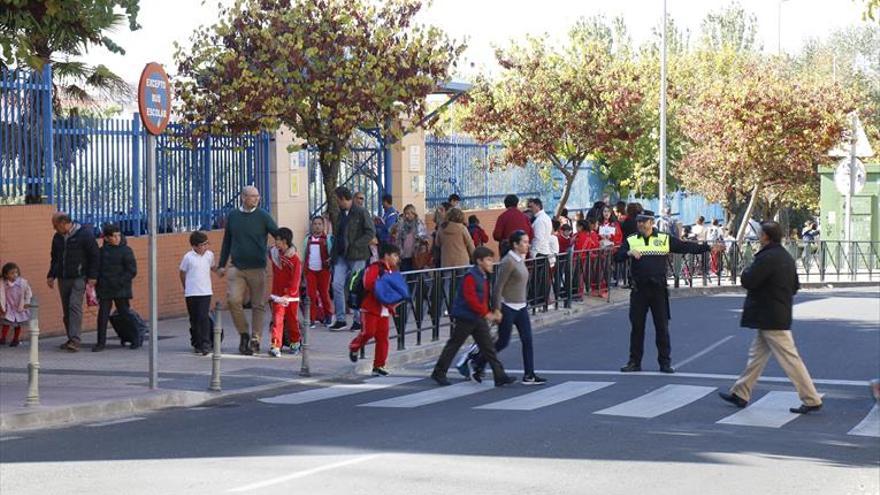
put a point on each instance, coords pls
(75, 265)
(772, 282)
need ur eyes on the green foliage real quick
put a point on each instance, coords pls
(561, 106)
(322, 68)
(730, 28)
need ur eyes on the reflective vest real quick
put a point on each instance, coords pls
(657, 245)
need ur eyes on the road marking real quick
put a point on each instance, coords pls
(339, 390)
(6, 439)
(870, 426)
(434, 395)
(547, 397)
(657, 402)
(770, 411)
(772, 379)
(115, 422)
(702, 353)
(303, 474)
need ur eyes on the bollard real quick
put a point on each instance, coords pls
(33, 396)
(215, 359)
(305, 304)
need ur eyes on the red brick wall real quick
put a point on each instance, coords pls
(26, 238)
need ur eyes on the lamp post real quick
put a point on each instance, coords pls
(662, 188)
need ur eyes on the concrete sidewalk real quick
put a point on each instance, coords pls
(89, 387)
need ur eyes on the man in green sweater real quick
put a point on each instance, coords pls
(244, 241)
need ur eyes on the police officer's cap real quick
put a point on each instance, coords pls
(645, 215)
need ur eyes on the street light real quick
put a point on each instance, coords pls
(662, 189)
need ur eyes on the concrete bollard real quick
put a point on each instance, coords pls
(33, 396)
(215, 359)
(305, 304)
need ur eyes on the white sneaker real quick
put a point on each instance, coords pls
(275, 352)
(295, 348)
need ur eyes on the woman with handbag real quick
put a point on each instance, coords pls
(411, 237)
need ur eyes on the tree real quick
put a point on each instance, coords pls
(732, 28)
(559, 106)
(760, 130)
(323, 68)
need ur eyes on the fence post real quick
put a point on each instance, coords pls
(136, 173)
(48, 142)
(822, 261)
(207, 185)
(33, 396)
(215, 359)
(306, 303)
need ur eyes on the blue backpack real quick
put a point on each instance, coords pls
(391, 288)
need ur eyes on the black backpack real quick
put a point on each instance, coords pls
(355, 285)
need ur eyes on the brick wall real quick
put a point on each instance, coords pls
(26, 237)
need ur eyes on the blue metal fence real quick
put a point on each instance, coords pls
(459, 164)
(26, 154)
(93, 169)
(360, 170)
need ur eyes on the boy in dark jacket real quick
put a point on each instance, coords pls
(117, 268)
(471, 314)
(772, 282)
(74, 265)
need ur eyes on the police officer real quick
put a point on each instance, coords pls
(649, 250)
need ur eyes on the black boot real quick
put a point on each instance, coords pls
(244, 345)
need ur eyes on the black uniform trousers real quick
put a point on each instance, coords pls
(654, 296)
(479, 329)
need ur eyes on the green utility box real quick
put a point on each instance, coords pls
(866, 207)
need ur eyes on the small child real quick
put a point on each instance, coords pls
(195, 275)
(15, 299)
(286, 276)
(587, 239)
(477, 233)
(375, 315)
(317, 269)
(564, 238)
(117, 267)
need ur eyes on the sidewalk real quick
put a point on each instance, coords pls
(90, 387)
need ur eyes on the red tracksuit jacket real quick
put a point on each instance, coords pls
(286, 273)
(370, 304)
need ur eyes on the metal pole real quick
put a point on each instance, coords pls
(662, 190)
(33, 396)
(153, 278)
(852, 180)
(779, 27)
(305, 302)
(215, 359)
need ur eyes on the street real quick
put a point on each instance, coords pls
(591, 429)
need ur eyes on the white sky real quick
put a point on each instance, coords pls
(493, 22)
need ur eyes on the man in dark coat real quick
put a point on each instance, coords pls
(353, 233)
(74, 264)
(772, 282)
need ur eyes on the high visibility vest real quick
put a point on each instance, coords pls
(657, 245)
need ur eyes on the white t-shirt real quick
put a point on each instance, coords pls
(315, 264)
(198, 273)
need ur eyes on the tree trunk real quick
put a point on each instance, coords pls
(329, 163)
(748, 213)
(569, 183)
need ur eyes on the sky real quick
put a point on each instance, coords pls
(488, 23)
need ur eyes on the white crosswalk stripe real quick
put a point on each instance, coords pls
(661, 401)
(547, 397)
(870, 426)
(335, 391)
(434, 395)
(770, 411)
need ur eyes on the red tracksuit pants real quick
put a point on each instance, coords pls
(375, 327)
(318, 286)
(280, 314)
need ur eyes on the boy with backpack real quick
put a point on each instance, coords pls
(286, 275)
(472, 317)
(377, 290)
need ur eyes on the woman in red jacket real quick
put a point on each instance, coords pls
(376, 316)
(286, 276)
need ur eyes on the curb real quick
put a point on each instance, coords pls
(52, 417)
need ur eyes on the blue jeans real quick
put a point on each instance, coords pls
(509, 318)
(342, 269)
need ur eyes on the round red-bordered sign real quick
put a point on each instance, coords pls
(154, 98)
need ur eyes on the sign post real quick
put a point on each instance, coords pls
(154, 103)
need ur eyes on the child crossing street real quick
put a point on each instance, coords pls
(286, 275)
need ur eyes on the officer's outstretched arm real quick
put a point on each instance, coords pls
(686, 247)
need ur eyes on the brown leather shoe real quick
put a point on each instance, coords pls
(73, 346)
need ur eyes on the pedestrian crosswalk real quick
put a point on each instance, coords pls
(768, 411)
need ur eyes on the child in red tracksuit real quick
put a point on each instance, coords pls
(375, 315)
(317, 270)
(286, 275)
(587, 239)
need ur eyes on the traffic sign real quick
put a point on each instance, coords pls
(841, 176)
(154, 98)
(845, 148)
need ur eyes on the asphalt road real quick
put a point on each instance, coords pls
(589, 430)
